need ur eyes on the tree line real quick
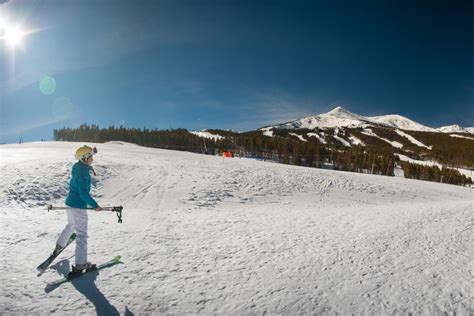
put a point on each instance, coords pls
(281, 148)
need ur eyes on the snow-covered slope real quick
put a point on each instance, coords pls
(340, 117)
(453, 129)
(401, 122)
(207, 235)
(206, 134)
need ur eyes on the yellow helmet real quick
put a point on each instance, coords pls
(85, 152)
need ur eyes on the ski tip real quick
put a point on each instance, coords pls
(117, 258)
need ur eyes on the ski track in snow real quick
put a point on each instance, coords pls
(207, 235)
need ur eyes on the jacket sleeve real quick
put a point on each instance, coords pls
(84, 187)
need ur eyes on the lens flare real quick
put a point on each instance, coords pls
(62, 108)
(47, 85)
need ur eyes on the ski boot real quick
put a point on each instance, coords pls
(86, 267)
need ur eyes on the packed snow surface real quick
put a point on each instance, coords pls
(207, 235)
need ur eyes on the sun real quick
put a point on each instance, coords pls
(14, 36)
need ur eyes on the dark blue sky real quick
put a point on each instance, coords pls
(233, 64)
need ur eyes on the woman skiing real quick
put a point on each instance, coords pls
(78, 199)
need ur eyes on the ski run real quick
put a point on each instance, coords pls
(207, 235)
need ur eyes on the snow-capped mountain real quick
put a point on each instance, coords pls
(455, 129)
(401, 122)
(340, 117)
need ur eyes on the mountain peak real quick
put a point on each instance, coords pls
(337, 110)
(340, 117)
(453, 129)
(341, 112)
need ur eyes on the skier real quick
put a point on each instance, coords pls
(78, 199)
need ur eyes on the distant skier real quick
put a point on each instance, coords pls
(78, 199)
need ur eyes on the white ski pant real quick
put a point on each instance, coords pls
(76, 222)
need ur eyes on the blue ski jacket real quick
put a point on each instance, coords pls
(80, 186)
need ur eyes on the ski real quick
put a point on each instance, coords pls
(45, 264)
(72, 276)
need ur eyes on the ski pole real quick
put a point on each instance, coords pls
(116, 209)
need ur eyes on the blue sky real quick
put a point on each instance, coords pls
(232, 64)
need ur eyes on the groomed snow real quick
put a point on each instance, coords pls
(369, 132)
(319, 137)
(356, 141)
(431, 163)
(412, 139)
(461, 136)
(342, 140)
(298, 136)
(206, 235)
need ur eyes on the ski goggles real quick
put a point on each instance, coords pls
(91, 153)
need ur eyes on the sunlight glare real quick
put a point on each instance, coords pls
(14, 36)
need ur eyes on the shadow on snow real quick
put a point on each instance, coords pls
(86, 286)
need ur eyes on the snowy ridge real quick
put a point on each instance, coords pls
(203, 235)
(340, 117)
(401, 122)
(453, 129)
